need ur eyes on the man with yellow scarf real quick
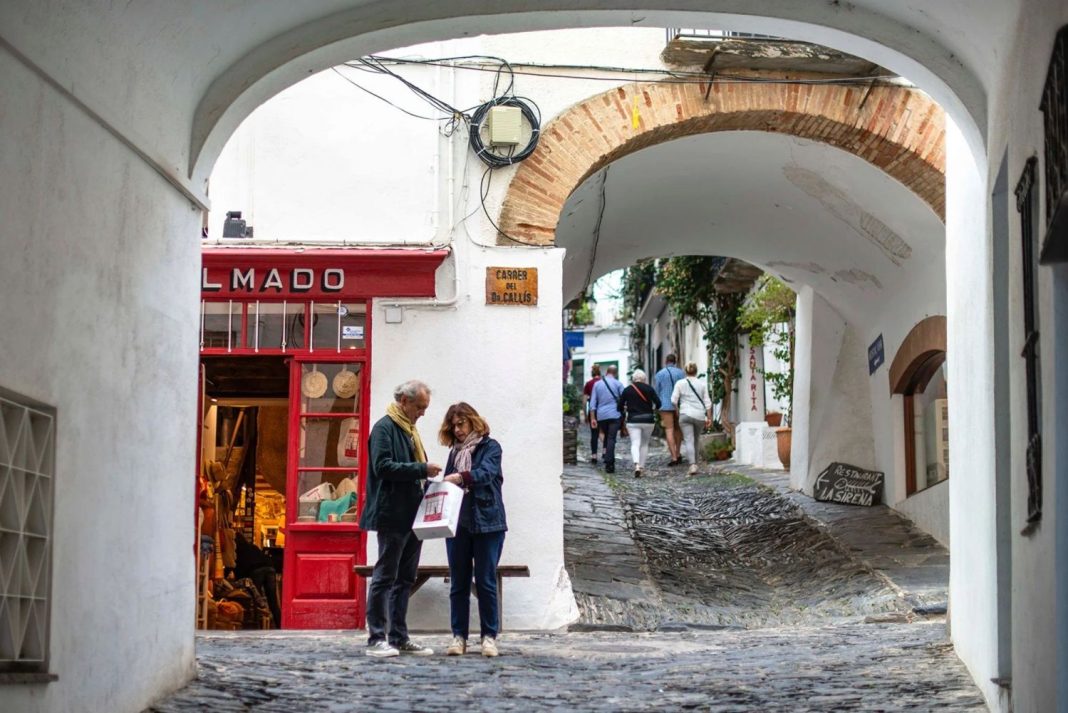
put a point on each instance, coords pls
(396, 463)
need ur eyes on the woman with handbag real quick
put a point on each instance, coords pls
(690, 397)
(475, 465)
(637, 404)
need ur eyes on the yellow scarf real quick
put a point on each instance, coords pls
(394, 412)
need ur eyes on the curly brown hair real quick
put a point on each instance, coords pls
(466, 411)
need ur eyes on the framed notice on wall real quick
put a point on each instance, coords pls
(512, 286)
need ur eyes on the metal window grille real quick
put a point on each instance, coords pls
(27, 469)
(1025, 204)
(1054, 108)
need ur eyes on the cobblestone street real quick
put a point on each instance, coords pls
(722, 592)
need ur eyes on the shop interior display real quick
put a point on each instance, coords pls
(237, 500)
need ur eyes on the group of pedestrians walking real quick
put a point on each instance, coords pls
(679, 397)
(397, 470)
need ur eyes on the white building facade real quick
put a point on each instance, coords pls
(117, 118)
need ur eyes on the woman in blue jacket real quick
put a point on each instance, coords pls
(475, 465)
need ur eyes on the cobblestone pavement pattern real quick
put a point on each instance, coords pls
(871, 667)
(721, 592)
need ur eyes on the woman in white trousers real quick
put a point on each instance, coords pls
(695, 412)
(638, 403)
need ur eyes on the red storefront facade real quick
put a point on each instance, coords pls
(293, 327)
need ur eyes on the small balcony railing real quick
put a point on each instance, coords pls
(674, 33)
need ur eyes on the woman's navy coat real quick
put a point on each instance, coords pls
(484, 495)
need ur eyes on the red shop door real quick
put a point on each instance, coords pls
(327, 433)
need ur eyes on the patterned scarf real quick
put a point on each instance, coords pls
(394, 412)
(463, 452)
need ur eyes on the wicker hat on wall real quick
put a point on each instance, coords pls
(313, 384)
(346, 383)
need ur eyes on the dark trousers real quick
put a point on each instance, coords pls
(484, 550)
(391, 586)
(594, 438)
(266, 581)
(609, 427)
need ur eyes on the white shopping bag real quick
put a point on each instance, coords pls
(439, 513)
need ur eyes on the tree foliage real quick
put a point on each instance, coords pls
(770, 304)
(687, 284)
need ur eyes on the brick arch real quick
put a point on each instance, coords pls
(899, 130)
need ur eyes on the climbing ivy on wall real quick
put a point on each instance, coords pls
(687, 284)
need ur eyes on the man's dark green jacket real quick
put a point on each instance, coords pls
(394, 490)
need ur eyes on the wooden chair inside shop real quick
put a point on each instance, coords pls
(218, 508)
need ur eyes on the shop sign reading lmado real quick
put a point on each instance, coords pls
(844, 483)
(512, 286)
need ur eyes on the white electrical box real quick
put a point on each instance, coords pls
(504, 124)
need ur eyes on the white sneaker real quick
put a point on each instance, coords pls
(693, 470)
(381, 649)
(489, 646)
(458, 647)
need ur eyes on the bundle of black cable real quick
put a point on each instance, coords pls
(496, 160)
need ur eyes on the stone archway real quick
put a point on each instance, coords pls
(899, 130)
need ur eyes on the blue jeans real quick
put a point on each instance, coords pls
(484, 550)
(391, 586)
(609, 428)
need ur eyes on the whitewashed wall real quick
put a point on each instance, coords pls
(151, 67)
(509, 370)
(323, 157)
(1039, 568)
(929, 510)
(969, 368)
(605, 344)
(99, 257)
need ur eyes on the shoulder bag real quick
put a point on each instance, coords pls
(699, 399)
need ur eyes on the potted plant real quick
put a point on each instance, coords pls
(718, 448)
(768, 315)
(773, 418)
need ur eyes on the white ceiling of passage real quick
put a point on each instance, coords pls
(811, 213)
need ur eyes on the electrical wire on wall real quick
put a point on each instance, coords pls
(474, 119)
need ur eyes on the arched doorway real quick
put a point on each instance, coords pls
(917, 375)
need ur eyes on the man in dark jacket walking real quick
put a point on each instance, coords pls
(396, 464)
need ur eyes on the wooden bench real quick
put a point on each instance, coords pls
(425, 572)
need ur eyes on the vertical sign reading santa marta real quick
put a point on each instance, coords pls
(512, 286)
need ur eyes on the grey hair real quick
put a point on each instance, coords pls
(639, 375)
(410, 389)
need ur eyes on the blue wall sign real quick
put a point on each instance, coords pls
(875, 355)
